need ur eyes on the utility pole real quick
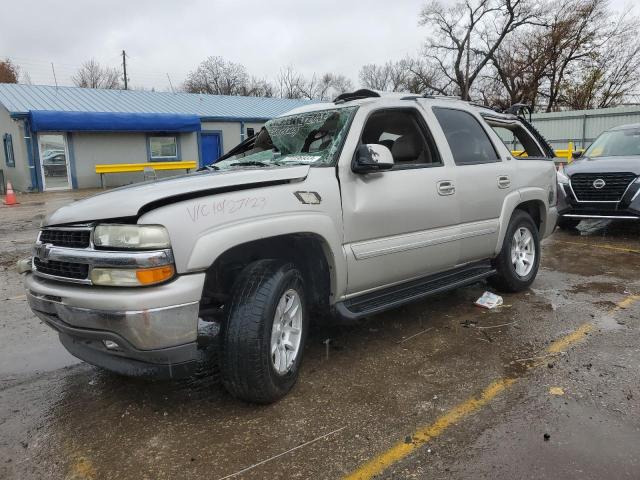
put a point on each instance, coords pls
(170, 84)
(124, 67)
(54, 75)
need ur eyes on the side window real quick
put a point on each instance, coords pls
(468, 141)
(163, 148)
(517, 140)
(403, 132)
(7, 144)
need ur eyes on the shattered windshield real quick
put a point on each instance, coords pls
(311, 138)
(616, 143)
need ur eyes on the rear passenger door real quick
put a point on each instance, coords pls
(483, 180)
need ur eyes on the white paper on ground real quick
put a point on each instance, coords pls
(489, 300)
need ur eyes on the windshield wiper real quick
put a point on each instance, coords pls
(251, 163)
(208, 168)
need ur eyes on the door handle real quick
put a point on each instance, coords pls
(446, 187)
(504, 181)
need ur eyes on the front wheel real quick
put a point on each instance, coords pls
(264, 332)
(518, 261)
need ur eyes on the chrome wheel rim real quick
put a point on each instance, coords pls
(523, 251)
(286, 332)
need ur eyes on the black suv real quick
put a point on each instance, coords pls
(604, 181)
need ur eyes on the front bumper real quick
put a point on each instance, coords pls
(155, 328)
(628, 208)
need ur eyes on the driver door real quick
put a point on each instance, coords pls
(402, 223)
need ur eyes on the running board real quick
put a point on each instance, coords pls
(392, 297)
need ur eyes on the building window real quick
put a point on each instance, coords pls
(7, 143)
(250, 132)
(163, 148)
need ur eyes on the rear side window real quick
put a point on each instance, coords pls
(517, 139)
(468, 141)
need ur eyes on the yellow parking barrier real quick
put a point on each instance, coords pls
(560, 153)
(141, 167)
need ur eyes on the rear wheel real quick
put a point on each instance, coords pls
(518, 261)
(264, 332)
(568, 223)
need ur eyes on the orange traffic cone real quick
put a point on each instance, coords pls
(10, 197)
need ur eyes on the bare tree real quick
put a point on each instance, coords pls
(519, 69)
(611, 71)
(583, 56)
(466, 35)
(324, 87)
(25, 78)
(9, 71)
(406, 75)
(375, 77)
(258, 87)
(218, 76)
(290, 84)
(92, 75)
(574, 37)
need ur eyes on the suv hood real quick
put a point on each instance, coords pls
(604, 165)
(131, 200)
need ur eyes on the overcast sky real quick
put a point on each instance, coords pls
(163, 37)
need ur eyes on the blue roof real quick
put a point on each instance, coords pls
(22, 99)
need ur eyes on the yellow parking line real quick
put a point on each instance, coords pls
(605, 247)
(627, 302)
(563, 343)
(420, 437)
(423, 435)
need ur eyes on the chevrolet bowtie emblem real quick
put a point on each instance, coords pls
(42, 251)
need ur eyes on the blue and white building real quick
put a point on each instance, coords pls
(52, 137)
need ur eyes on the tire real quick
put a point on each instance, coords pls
(568, 223)
(518, 275)
(249, 369)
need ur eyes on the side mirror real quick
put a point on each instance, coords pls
(576, 154)
(372, 157)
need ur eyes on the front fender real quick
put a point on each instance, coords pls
(217, 241)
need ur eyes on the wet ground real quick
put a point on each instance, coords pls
(440, 389)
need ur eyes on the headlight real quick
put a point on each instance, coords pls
(125, 277)
(562, 178)
(138, 237)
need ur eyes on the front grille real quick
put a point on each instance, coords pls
(615, 186)
(78, 271)
(66, 238)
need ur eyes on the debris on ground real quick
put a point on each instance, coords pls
(546, 437)
(469, 323)
(556, 391)
(489, 300)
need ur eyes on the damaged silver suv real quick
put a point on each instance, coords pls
(346, 209)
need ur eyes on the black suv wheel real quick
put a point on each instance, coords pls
(264, 332)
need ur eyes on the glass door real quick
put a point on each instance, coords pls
(54, 161)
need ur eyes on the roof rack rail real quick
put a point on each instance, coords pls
(357, 95)
(443, 97)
